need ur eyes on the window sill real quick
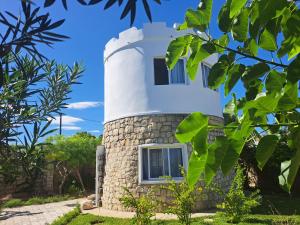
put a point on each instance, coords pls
(162, 181)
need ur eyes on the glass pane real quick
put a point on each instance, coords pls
(177, 73)
(161, 75)
(176, 161)
(145, 164)
(166, 162)
(156, 163)
(205, 73)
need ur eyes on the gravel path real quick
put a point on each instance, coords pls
(36, 214)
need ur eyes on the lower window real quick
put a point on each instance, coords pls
(157, 161)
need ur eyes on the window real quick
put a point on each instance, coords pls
(157, 161)
(205, 72)
(163, 76)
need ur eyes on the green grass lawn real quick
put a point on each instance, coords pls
(88, 219)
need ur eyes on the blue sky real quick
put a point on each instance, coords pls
(90, 28)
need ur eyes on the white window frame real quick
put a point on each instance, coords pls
(160, 146)
(186, 77)
(209, 66)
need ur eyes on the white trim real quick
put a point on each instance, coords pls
(160, 146)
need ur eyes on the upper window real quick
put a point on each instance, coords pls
(205, 72)
(164, 77)
(158, 161)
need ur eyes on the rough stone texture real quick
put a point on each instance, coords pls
(87, 205)
(121, 140)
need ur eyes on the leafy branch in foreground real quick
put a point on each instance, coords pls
(270, 102)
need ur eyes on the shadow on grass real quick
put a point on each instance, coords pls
(259, 221)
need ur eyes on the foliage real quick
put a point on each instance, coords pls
(15, 202)
(236, 204)
(144, 207)
(32, 90)
(130, 6)
(270, 101)
(68, 217)
(71, 153)
(183, 198)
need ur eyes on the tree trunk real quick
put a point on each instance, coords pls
(80, 180)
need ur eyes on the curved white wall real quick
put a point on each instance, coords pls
(129, 78)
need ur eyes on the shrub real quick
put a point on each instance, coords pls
(236, 204)
(66, 218)
(14, 202)
(183, 199)
(144, 207)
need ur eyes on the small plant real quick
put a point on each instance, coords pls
(66, 218)
(144, 207)
(183, 198)
(236, 204)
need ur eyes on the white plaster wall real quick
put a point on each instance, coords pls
(129, 78)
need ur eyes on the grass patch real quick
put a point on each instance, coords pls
(68, 217)
(279, 204)
(15, 202)
(88, 219)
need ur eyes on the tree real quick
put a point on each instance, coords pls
(270, 102)
(70, 154)
(33, 89)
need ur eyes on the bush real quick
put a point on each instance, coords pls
(14, 202)
(236, 204)
(66, 218)
(144, 207)
(183, 199)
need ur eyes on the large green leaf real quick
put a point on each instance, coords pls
(223, 42)
(217, 74)
(234, 74)
(190, 126)
(265, 149)
(240, 26)
(177, 48)
(254, 72)
(195, 168)
(275, 81)
(236, 7)
(289, 100)
(224, 20)
(267, 41)
(199, 18)
(216, 153)
(230, 110)
(293, 70)
(199, 52)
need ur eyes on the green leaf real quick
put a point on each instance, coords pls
(236, 7)
(199, 52)
(195, 168)
(230, 111)
(190, 126)
(289, 170)
(267, 41)
(240, 26)
(217, 74)
(254, 72)
(275, 81)
(293, 70)
(265, 149)
(289, 100)
(177, 48)
(224, 20)
(223, 41)
(200, 18)
(216, 153)
(234, 74)
(253, 47)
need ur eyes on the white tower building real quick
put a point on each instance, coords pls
(144, 103)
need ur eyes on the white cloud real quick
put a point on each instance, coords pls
(84, 105)
(94, 131)
(70, 128)
(67, 120)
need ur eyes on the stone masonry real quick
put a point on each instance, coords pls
(121, 140)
